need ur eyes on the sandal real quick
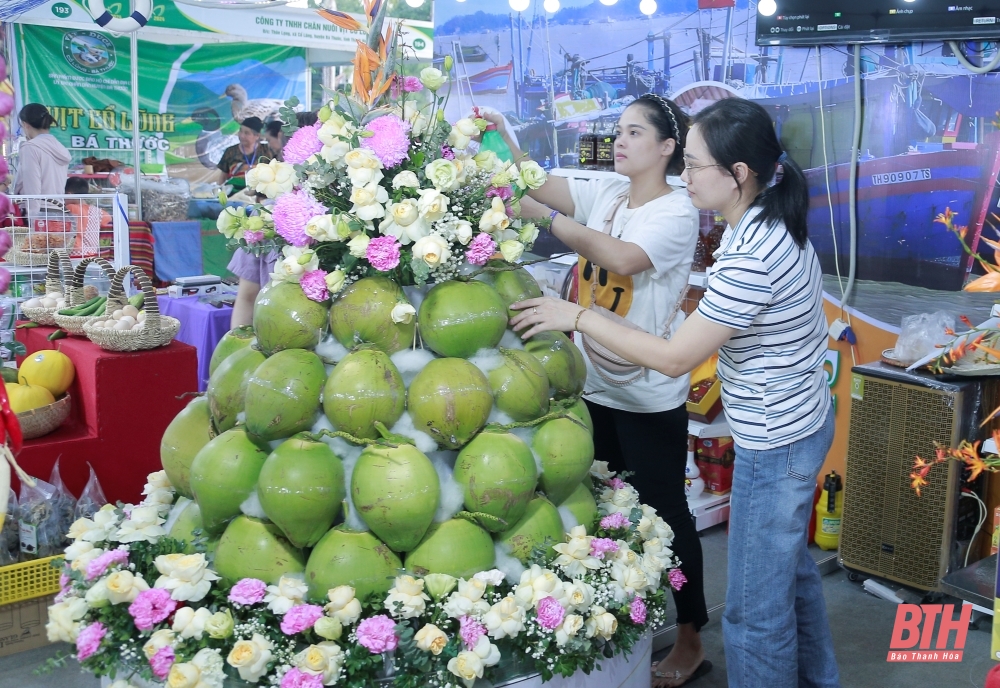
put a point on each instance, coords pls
(703, 668)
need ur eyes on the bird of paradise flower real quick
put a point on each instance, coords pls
(966, 452)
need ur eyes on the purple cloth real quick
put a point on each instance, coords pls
(202, 326)
(247, 266)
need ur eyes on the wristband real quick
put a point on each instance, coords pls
(576, 325)
(552, 217)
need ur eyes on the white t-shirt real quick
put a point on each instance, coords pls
(667, 230)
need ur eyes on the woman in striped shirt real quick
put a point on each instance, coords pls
(763, 313)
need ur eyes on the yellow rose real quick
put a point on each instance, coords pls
(335, 281)
(220, 625)
(432, 249)
(432, 78)
(358, 246)
(468, 666)
(329, 628)
(124, 586)
(495, 218)
(344, 606)
(532, 174)
(183, 675)
(250, 657)
(159, 640)
(324, 659)
(432, 205)
(443, 174)
(511, 250)
(431, 639)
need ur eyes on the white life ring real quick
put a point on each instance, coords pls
(133, 22)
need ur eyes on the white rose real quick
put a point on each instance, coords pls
(203, 671)
(335, 281)
(652, 567)
(601, 623)
(599, 469)
(343, 606)
(406, 180)
(579, 596)
(432, 205)
(368, 201)
(403, 313)
(323, 228)
(432, 78)
(324, 659)
(443, 174)
(574, 555)
(624, 555)
(97, 596)
(403, 221)
(463, 232)
(511, 250)
(335, 129)
(469, 665)
(431, 639)
(570, 626)
(458, 140)
(289, 592)
(272, 178)
(79, 549)
(537, 583)
(190, 623)
(495, 218)
(363, 176)
(432, 249)
(229, 222)
(528, 234)
(467, 600)
(532, 174)
(406, 598)
(250, 657)
(297, 261)
(362, 158)
(98, 529)
(159, 640)
(64, 620)
(492, 577)
(487, 160)
(124, 586)
(334, 153)
(505, 619)
(418, 120)
(144, 524)
(186, 576)
(655, 547)
(358, 246)
(628, 581)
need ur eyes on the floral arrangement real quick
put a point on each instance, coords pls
(382, 184)
(138, 604)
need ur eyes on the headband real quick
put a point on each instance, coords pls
(665, 105)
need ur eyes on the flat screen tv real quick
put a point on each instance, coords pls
(823, 22)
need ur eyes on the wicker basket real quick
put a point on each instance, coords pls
(21, 254)
(74, 323)
(157, 330)
(41, 421)
(58, 266)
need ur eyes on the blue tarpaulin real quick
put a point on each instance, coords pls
(177, 249)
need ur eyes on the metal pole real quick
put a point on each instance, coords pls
(552, 96)
(136, 140)
(727, 45)
(520, 58)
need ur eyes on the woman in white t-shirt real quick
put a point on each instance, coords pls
(636, 240)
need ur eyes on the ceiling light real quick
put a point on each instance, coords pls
(519, 5)
(767, 7)
(414, 3)
(608, 2)
(647, 7)
(551, 6)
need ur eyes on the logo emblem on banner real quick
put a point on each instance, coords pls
(89, 52)
(913, 633)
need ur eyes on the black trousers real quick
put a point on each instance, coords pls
(653, 446)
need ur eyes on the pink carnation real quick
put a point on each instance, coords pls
(98, 566)
(248, 591)
(383, 252)
(89, 640)
(378, 634)
(411, 84)
(601, 546)
(390, 140)
(295, 678)
(614, 521)
(162, 661)
(550, 613)
(151, 607)
(471, 631)
(616, 484)
(300, 618)
(253, 237)
(677, 579)
(637, 611)
(313, 284)
(291, 212)
(480, 249)
(303, 145)
(504, 193)
(447, 152)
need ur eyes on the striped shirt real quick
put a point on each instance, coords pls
(774, 387)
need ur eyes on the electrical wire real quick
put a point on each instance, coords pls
(982, 520)
(853, 190)
(964, 61)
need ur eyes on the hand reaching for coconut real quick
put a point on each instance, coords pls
(545, 314)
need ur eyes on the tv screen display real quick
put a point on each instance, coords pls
(822, 22)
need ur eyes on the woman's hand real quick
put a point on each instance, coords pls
(544, 315)
(492, 117)
(532, 209)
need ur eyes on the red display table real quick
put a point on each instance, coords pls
(122, 403)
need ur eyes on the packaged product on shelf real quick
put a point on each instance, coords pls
(92, 498)
(40, 527)
(63, 503)
(162, 201)
(10, 543)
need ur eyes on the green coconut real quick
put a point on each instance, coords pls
(541, 520)
(498, 474)
(520, 386)
(458, 319)
(582, 505)
(363, 314)
(283, 394)
(188, 432)
(580, 411)
(450, 400)
(285, 318)
(187, 519)
(456, 547)
(251, 548)
(566, 450)
(231, 342)
(345, 557)
(301, 489)
(364, 388)
(514, 286)
(227, 386)
(562, 361)
(223, 474)
(395, 491)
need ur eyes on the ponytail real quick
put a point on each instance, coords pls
(37, 115)
(737, 130)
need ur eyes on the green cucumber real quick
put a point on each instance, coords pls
(94, 308)
(137, 301)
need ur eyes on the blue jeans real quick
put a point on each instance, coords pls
(775, 626)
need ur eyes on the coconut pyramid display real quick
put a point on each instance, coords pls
(383, 483)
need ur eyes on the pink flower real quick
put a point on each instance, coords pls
(637, 611)
(601, 546)
(411, 84)
(248, 591)
(89, 640)
(471, 631)
(446, 152)
(299, 679)
(313, 284)
(615, 483)
(151, 607)
(162, 661)
(383, 251)
(97, 567)
(677, 579)
(378, 634)
(480, 249)
(303, 145)
(614, 521)
(5, 240)
(253, 237)
(64, 581)
(550, 613)
(390, 141)
(291, 212)
(504, 193)
(300, 618)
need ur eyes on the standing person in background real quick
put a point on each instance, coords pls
(254, 272)
(238, 159)
(636, 240)
(275, 138)
(43, 163)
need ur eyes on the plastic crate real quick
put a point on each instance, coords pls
(29, 579)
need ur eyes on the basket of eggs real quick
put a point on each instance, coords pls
(39, 397)
(126, 328)
(83, 310)
(42, 309)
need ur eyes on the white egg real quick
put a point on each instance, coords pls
(122, 325)
(117, 315)
(99, 325)
(128, 319)
(141, 317)
(48, 303)
(137, 326)
(54, 294)
(130, 310)
(33, 303)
